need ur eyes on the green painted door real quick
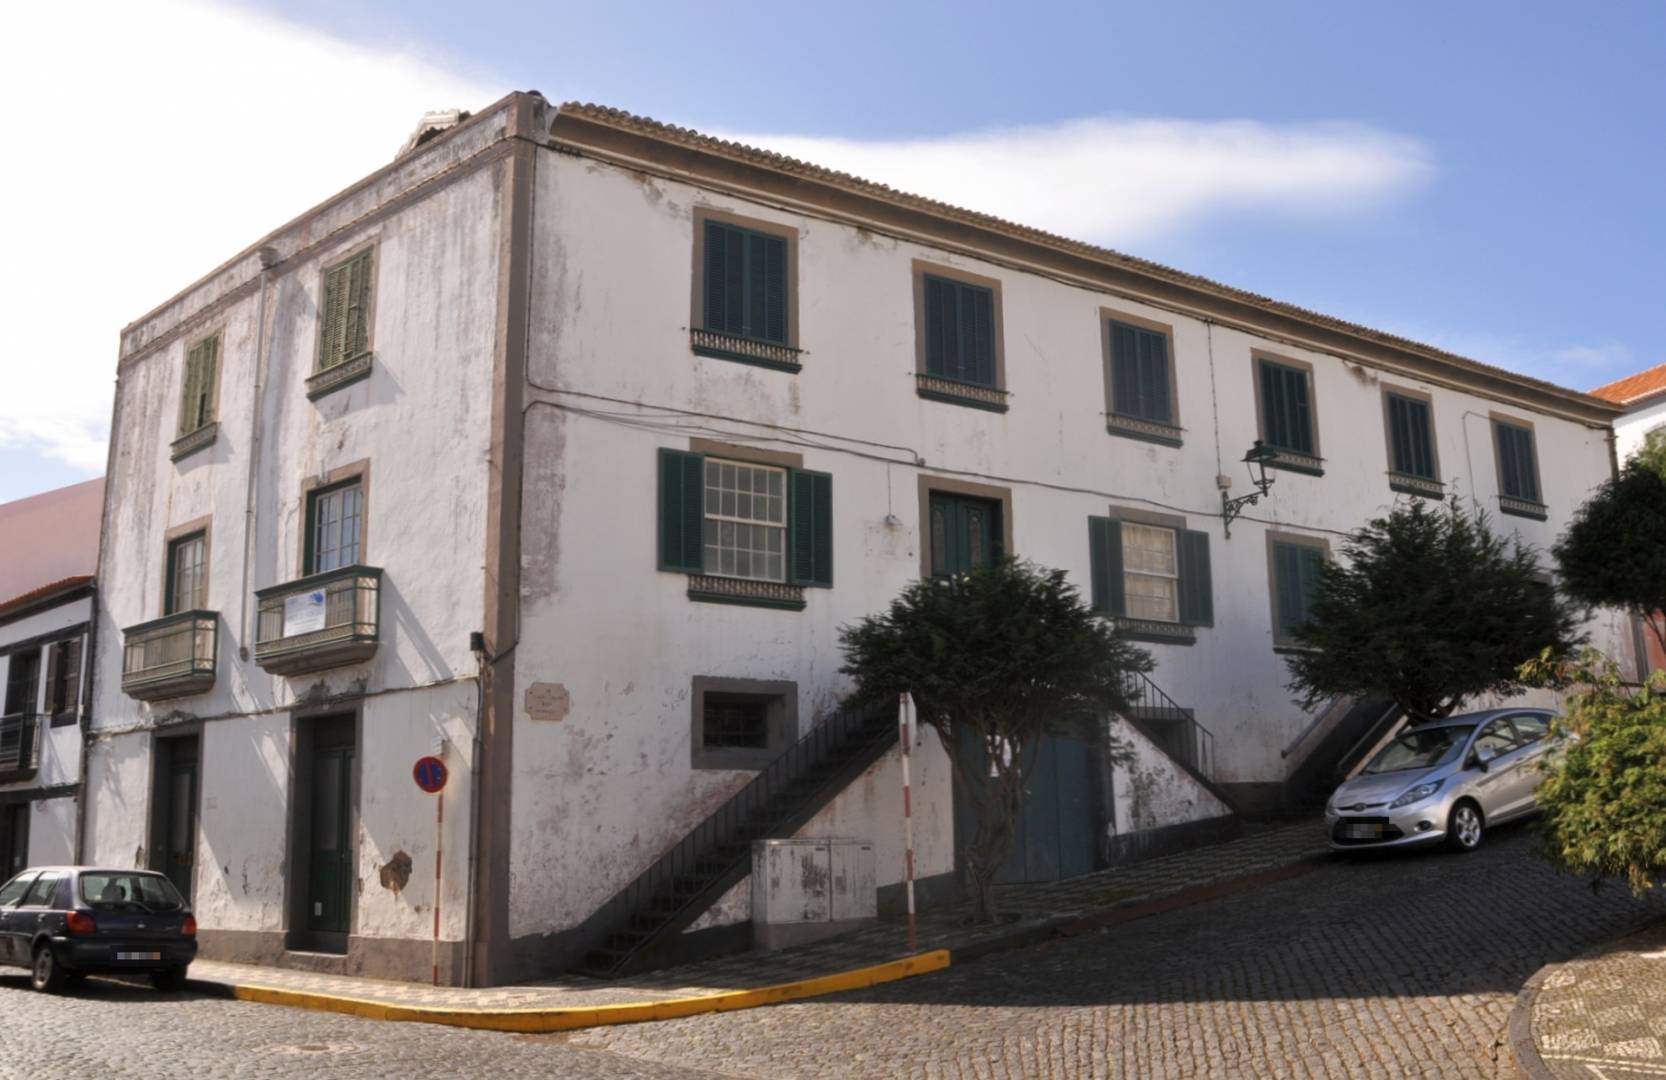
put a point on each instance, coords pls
(965, 533)
(1057, 827)
(329, 884)
(179, 824)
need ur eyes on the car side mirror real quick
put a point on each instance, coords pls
(1484, 757)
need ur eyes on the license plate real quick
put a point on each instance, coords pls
(138, 956)
(1362, 832)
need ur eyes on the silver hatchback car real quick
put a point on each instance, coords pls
(1450, 781)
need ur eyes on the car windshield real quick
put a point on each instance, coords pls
(1420, 749)
(120, 891)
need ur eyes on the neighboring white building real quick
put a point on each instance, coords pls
(1643, 398)
(593, 432)
(48, 553)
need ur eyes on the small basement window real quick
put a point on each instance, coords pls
(742, 723)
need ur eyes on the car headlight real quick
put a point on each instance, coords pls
(1411, 795)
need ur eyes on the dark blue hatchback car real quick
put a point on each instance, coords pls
(66, 922)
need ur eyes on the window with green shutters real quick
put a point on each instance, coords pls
(745, 283)
(345, 331)
(959, 330)
(1140, 387)
(202, 371)
(1295, 572)
(1413, 465)
(1518, 470)
(1287, 409)
(738, 521)
(1155, 578)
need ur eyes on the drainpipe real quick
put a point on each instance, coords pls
(268, 259)
(477, 644)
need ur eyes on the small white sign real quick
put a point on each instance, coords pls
(303, 613)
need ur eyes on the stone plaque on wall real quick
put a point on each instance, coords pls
(547, 701)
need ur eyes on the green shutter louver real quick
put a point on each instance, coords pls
(196, 404)
(1105, 563)
(1411, 437)
(745, 283)
(960, 330)
(1286, 408)
(345, 333)
(1197, 605)
(1518, 472)
(682, 489)
(812, 528)
(1140, 374)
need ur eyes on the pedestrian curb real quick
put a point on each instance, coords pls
(534, 1021)
(1519, 1032)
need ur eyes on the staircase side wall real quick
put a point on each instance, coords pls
(1151, 791)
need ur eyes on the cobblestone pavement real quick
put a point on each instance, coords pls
(1603, 1016)
(1403, 967)
(1034, 906)
(1391, 967)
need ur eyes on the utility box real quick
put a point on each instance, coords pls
(804, 890)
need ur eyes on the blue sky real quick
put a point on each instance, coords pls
(1483, 176)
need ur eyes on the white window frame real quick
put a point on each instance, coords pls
(714, 552)
(1130, 575)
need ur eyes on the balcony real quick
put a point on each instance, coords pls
(19, 746)
(170, 657)
(327, 620)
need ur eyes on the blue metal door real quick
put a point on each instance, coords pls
(1057, 828)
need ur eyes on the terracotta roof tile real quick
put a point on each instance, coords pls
(619, 118)
(1634, 387)
(44, 591)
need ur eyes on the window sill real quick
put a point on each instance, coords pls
(955, 392)
(334, 378)
(64, 719)
(1154, 431)
(1297, 462)
(200, 439)
(764, 354)
(1422, 486)
(1158, 633)
(1527, 508)
(711, 589)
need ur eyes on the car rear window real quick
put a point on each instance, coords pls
(116, 890)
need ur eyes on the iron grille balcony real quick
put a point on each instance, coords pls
(19, 746)
(323, 621)
(170, 657)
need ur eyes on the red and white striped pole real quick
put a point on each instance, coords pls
(905, 711)
(439, 864)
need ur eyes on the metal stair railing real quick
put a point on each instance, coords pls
(1171, 726)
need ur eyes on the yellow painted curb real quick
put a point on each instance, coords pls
(572, 1018)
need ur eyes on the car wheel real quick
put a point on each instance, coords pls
(47, 975)
(168, 980)
(1464, 828)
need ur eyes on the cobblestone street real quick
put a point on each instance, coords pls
(1376, 968)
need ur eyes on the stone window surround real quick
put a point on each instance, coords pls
(710, 587)
(1280, 642)
(357, 470)
(697, 291)
(948, 486)
(318, 381)
(1494, 418)
(203, 525)
(1286, 460)
(1131, 427)
(1410, 487)
(1151, 630)
(203, 436)
(781, 697)
(918, 270)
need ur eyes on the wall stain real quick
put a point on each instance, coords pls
(396, 873)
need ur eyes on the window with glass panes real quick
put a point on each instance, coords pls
(187, 574)
(335, 520)
(746, 520)
(1150, 572)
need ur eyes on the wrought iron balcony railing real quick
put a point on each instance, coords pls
(322, 621)
(19, 745)
(170, 657)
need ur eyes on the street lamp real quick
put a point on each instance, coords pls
(1256, 463)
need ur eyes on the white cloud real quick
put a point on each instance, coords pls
(1578, 366)
(146, 144)
(1124, 181)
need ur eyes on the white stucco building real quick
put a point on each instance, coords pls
(48, 554)
(1642, 397)
(563, 446)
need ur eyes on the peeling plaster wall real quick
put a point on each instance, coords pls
(610, 787)
(422, 422)
(1151, 791)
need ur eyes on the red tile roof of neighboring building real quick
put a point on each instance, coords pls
(1634, 388)
(44, 592)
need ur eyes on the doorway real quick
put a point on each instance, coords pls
(1057, 828)
(174, 811)
(14, 839)
(325, 830)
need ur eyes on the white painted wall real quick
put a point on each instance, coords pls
(52, 822)
(1150, 791)
(600, 794)
(1632, 429)
(422, 420)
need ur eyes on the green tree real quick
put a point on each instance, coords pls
(1612, 554)
(1604, 797)
(995, 659)
(1428, 607)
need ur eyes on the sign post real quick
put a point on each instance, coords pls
(430, 775)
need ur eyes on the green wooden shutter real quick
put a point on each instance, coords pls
(939, 326)
(682, 515)
(358, 307)
(1410, 436)
(1154, 377)
(1125, 376)
(1515, 454)
(188, 395)
(1286, 412)
(1197, 605)
(1105, 563)
(979, 339)
(52, 661)
(766, 287)
(1313, 565)
(203, 403)
(332, 343)
(1287, 581)
(812, 528)
(715, 279)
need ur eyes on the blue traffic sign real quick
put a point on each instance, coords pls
(430, 774)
